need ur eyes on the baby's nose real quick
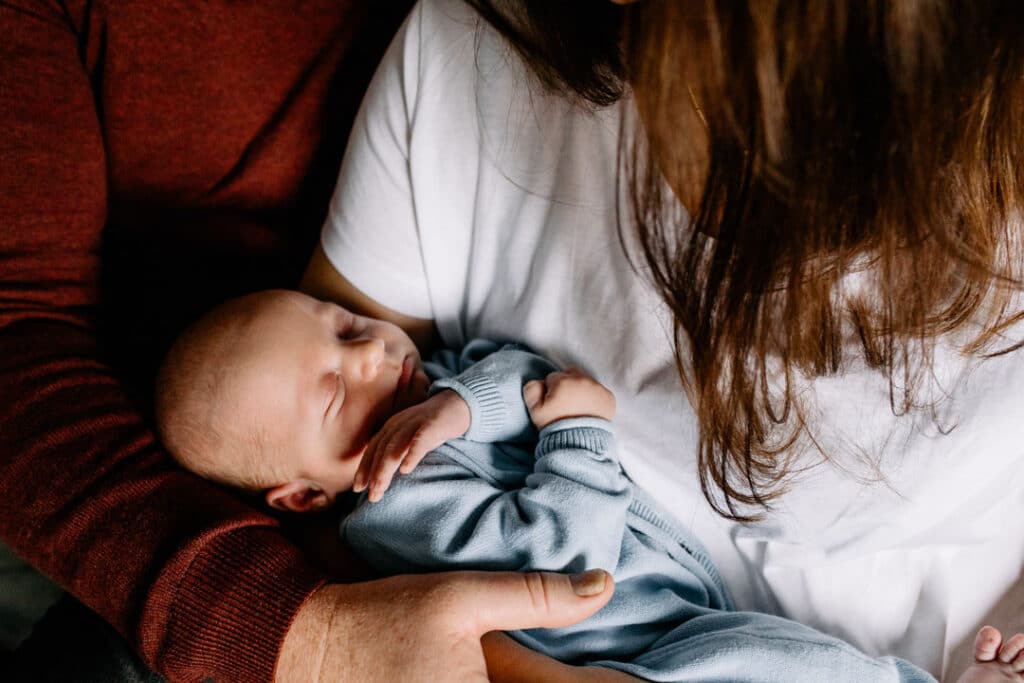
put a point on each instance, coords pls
(366, 356)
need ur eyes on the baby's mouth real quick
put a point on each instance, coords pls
(404, 378)
(412, 386)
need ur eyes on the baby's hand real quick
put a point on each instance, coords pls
(569, 393)
(407, 437)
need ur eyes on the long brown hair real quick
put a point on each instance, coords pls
(811, 141)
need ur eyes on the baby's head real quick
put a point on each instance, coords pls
(277, 392)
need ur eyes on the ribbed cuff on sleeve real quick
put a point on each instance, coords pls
(592, 434)
(487, 407)
(233, 608)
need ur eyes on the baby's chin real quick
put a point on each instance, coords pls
(416, 393)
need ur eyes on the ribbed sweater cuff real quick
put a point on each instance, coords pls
(487, 407)
(234, 606)
(592, 434)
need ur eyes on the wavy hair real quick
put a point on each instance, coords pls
(815, 144)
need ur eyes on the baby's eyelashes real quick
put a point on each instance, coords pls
(343, 321)
(333, 393)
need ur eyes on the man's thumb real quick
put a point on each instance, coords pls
(508, 601)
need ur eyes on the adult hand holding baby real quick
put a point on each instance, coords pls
(430, 624)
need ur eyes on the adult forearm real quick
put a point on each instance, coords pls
(323, 281)
(196, 580)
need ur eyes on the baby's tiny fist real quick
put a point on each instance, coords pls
(533, 392)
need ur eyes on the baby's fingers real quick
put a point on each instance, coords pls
(418, 449)
(415, 444)
(386, 462)
(383, 471)
(533, 393)
(378, 445)
(362, 475)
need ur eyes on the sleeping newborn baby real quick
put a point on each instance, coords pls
(504, 463)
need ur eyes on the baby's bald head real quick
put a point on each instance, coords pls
(197, 404)
(279, 392)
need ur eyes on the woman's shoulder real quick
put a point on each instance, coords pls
(445, 18)
(439, 39)
(451, 59)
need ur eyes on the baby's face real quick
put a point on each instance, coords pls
(316, 381)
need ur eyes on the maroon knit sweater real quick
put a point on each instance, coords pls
(155, 158)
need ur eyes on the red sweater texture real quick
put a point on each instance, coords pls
(155, 158)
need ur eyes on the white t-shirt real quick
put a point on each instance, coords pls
(469, 196)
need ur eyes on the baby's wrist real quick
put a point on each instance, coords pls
(454, 408)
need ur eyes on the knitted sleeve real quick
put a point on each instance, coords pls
(716, 646)
(200, 583)
(455, 511)
(490, 380)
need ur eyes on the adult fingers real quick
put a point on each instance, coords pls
(508, 601)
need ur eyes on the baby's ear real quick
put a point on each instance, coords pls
(299, 495)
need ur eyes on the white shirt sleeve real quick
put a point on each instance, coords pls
(371, 235)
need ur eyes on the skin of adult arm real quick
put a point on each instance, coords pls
(506, 659)
(323, 281)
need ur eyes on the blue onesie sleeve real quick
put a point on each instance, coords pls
(751, 647)
(488, 501)
(490, 380)
(473, 503)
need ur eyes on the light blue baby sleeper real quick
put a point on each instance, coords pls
(505, 498)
